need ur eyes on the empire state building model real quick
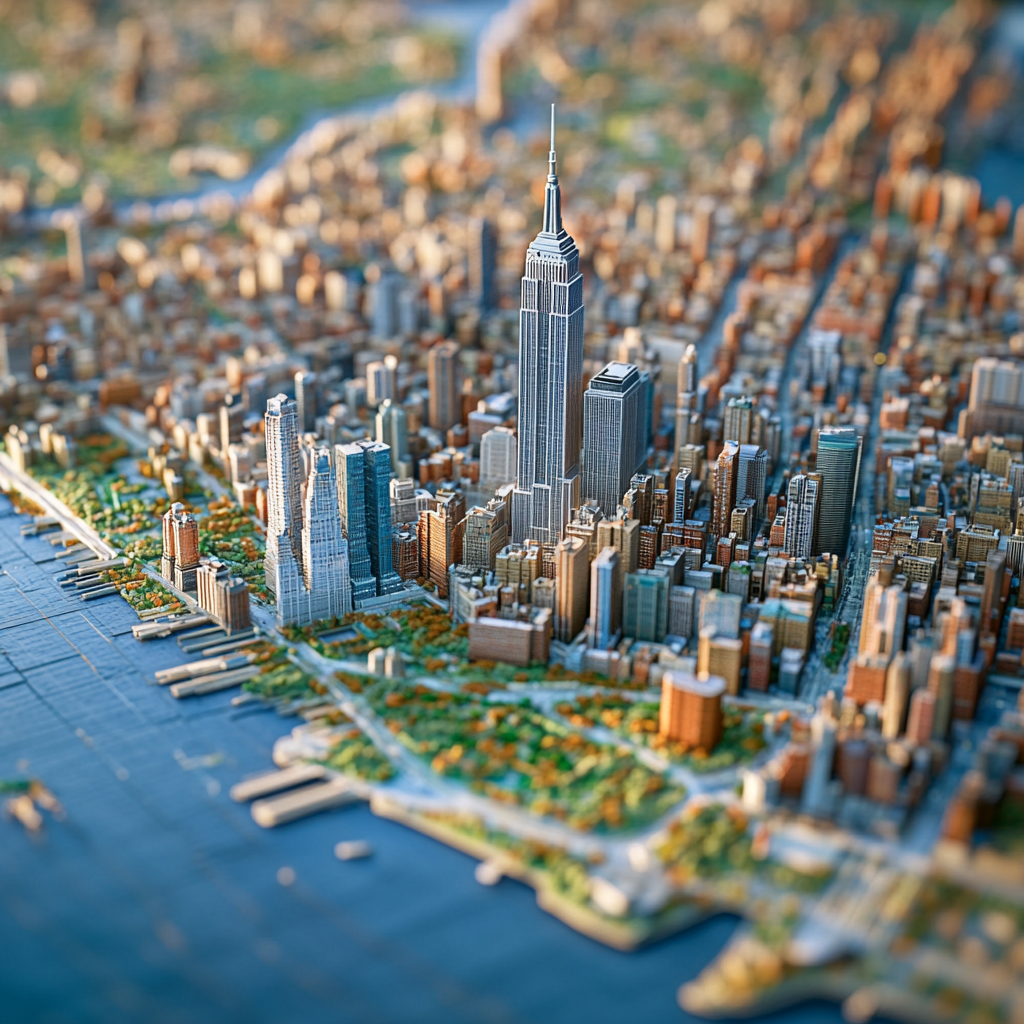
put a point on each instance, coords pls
(550, 376)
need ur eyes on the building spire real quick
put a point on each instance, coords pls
(552, 193)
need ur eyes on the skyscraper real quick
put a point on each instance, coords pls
(440, 534)
(393, 430)
(605, 600)
(550, 375)
(725, 487)
(839, 450)
(377, 494)
(801, 514)
(306, 388)
(645, 600)
(483, 248)
(442, 380)
(738, 421)
(613, 448)
(752, 477)
(497, 458)
(572, 569)
(381, 380)
(324, 549)
(350, 472)
(282, 561)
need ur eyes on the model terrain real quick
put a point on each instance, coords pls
(615, 474)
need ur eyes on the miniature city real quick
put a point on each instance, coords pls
(628, 492)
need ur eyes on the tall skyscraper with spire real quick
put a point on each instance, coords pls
(282, 561)
(550, 376)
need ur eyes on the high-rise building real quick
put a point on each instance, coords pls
(572, 580)
(751, 479)
(624, 536)
(350, 471)
(550, 376)
(605, 600)
(738, 420)
(324, 548)
(377, 465)
(443, 381)
(897, 696)
(497, 458)
(385, 302)
(224, 596)
(801, 514)
(381, 381)
(363, 476)
(282, 561)
(486, 534)
(306, 400)
(405, 552)
(403, 501)
(584, 525)
(393, 430)
(839, 450)
(645, 601)
(687, 379)
(613, 435)
(681, 503)
(440, 534)
(483, 249)
(725, 487)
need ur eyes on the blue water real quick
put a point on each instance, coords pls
(157, 899)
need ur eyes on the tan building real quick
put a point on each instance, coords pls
(439, 534)
(572, 587)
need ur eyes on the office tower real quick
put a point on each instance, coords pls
(883, 621)
(613, 435)
(497, 458)
(377, 464)
(721, 612)
(826, 359)
(381, 381)
(751, 478)
(385, 302)
(306, 400)
(645, 598)
(801, 514)
(550, 376)
(681, 501)
(725, 487)
(282, 561)
(681, 602)
(254, 393)
(584, 525)
(897, 694)
(817, 795)
(687, 379)
(405, 552)
(624, 536)
(921, 719)
(994, 382)
(605, 600)
(572, 579)
(839, 450)
(691, 709)
(483, 249)
(403, 501)
(166, 534)
(443, 381)
(638, 501)
(440, 534)
(324, 549)
(738, 420)
(486, 535)
(350, 473)
(231, 422)
(393, 430)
